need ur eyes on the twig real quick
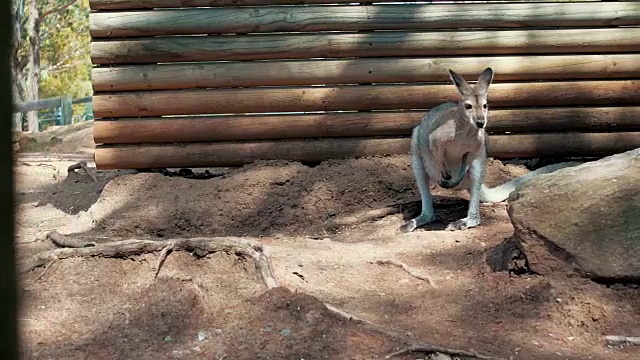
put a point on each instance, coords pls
(343, 314)
(82, 165)
(408, 269)
(443, 350)
(618, 339)
(125, 248)
(163, 256)
(40, 164)
(45, 269)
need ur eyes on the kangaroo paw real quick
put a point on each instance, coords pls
(463, 224)
(408, 227)
(413, 224)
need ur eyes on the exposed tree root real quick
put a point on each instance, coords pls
(408, 269)
(442, 350)
(163, 256)
(45, 269)
(126, 248)
(201, 246)
(67, 242)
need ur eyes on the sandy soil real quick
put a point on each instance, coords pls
(218, 308)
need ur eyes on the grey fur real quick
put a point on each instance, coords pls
(449, 148)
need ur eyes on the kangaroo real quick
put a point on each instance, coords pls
(449, 148)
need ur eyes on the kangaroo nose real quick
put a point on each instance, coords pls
(480, 124)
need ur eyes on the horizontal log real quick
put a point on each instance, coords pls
(358, 71)
(357, 124)
(372, 44)
(151, 4)
(142, 156)
(359, 97)
(195, 21)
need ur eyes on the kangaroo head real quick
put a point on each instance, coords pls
(473, 104)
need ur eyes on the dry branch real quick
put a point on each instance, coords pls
(46, 267)
(416, 274)
(618, 340)
(82, 165)
(443, 350)
(40, 164)
(125, 248)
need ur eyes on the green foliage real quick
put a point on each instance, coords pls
(65, 49)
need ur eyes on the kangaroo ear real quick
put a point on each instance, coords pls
(484, 80)
(463, 87)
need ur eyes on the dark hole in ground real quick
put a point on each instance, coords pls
(185, 173)
(508, 256)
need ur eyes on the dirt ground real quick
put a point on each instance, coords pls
(323, 249)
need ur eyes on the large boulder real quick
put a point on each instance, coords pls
(584, 218)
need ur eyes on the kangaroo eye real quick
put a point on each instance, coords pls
(468, 106)
(485, 105)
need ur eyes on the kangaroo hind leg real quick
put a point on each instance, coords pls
(427, 214)
(477, 171)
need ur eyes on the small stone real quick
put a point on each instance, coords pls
(218, 331)
(201, 336)
(285, 332)
(167, 338)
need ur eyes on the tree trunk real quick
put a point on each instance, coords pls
(16, 73)
(32, 70)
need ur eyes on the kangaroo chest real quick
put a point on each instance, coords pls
(453, 143)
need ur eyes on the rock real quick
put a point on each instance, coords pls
(585, 218)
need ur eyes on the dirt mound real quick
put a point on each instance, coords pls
(265, 198)
(70, 139)
(217, 307)
(280, 324)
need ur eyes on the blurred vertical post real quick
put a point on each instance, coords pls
(8, 280)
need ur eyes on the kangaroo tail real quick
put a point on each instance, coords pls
(502, 192)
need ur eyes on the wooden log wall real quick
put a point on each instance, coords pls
(199, 83)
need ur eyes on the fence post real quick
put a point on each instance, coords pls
(67, 110)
